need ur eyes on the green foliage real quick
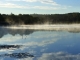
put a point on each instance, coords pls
(39, 19)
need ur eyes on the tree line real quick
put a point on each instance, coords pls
(26, 19)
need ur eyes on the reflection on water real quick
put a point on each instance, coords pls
(17, 55)
(4, 31)
(9, 46)
(24, 44)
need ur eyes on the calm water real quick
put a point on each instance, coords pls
(24, 44)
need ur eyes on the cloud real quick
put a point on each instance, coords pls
(9, 39)
(41, 43)
(30, 0)
(51, 2)
(47, 35)
(59, 56)
(52, 5)
(23, 0)
(11, 5)
(46, 8)
(25, 59)
(44, 49)
(17, 39)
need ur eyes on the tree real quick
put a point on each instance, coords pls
(2, 20)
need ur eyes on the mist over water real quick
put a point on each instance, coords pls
(56, 27)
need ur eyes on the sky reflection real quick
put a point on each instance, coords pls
(59, 56)
(44, 45)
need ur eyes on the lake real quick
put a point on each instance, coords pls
(39, 44)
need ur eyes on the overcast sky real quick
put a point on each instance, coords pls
(39, 6)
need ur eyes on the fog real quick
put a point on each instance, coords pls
(58, 27)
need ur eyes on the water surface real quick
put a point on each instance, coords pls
(29, 44)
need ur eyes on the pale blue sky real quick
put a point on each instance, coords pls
(39, 6)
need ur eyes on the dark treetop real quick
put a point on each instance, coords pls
(25, 19)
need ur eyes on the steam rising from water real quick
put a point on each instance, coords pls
(70, 27)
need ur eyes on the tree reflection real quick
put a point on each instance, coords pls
(9, 46)
(17, 55)
(14, 55)
(4, 31)
(75, 30)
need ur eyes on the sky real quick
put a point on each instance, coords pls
(39, 6)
